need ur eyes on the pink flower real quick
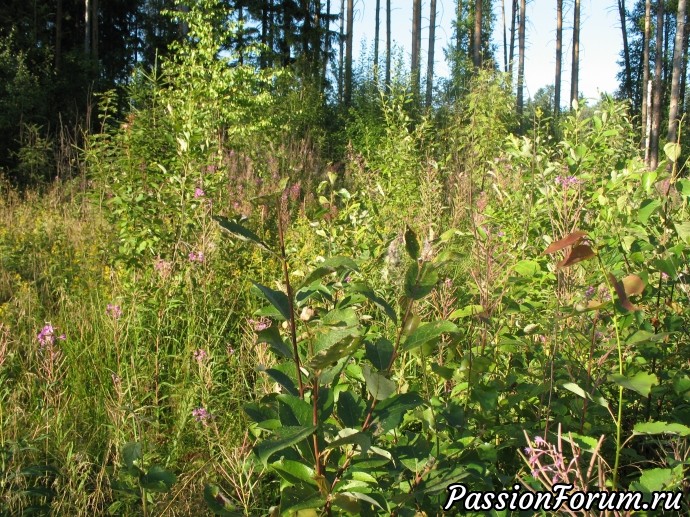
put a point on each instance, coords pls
(114, 311)
(200, 414)
(196, 256)
(200, 355)
(47, 337)
(198, 192)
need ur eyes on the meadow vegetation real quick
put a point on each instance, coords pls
(238, 309)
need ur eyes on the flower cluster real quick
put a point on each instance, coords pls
(548, 462)
(46, 337)
(163, 267)
(198, 192)
(196, 256)
(200, 414)
(567, 181)
(200, 355)
(589, 293)
(259, 325)
(114, 311)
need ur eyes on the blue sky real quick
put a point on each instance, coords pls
(600, 39)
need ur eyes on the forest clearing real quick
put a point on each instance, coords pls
(242, 273)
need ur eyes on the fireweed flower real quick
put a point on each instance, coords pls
(567, 181)
(46, 337)
(114, 311)
(200, 355)
(196, 256)
(589, 293)
(200, 414)
(198, 192)
(259, 325)
(548, 461)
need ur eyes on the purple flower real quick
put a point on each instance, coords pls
(114, 311)
(46, 337)
(260, 325)
(196, 256)
(589, 293)
(567, 181)
(198, 192)
(664, 276)
(200, 414)
(200, 355)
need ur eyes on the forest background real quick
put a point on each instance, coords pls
(243, 273)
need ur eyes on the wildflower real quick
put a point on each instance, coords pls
(198, 192)
(163, 267)
(589, 293)
(230, 350)
(259, 325)
(567, 181)
(196, 256)
(200, 414)
(664, 276)
(114, 311)
(200, 355)
(46, 337)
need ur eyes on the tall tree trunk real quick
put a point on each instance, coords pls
(377, 32)
(264, 34)
(505, 36)
(521, 61)
(511, 56)
(678, 53)
(348, 53)
(645, 79)
(684, 72)
(657, 95)
(58, 35)
(94, 29)
(326, 45)
(388, 43)
(341, 57)
(626, 49)
(416, 45)
(477, 35)
(430, 53)
(575, 83)
(87, 27)
(240, 35)
(559, 58)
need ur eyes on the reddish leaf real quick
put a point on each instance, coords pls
(622, 297)
(577, 254)
(566, 241)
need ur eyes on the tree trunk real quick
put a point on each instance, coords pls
(684, 72)
(264, 33)
(388, 43)
(645, 79)
(416, 45)
(511, 57)
(58, 35)
(559, 58)
(430, 53)
(87, 27)
(348, 53)
(377, 32)
(341, 61)
(574, 83)
(326, 46)
(505, 36)
(627, 88)
(678, 53)
(656, 101)
(477, 35)
(521, 61)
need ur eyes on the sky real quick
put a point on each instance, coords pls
(600, 39)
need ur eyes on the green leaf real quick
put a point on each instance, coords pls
(290, 436)
(683, 231)
(647, 208)
(294, 411)
(349, 436)
(284, 380)
(672, 151)
(426, 333)
(378, 385)
(219, 503)
(469, 310)
(328, 266)
(527, 268)
(350, 409)
(683, 187)
(648, 180)
(661, 428)
(390, 412)
(418, 283)
(158, 479)
(411, 244)
(294, 472)
(278, 299)
(131, 452)
(641, 382)
(369, 293)
(240, 231)
(356, 497)
(656, 480)
(379, 353)
(271, 336)
(346, 346)
(577, 390)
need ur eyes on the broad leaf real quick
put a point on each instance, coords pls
(577, 390)
(290, 436)
(411, 244)
(271, 336)
(131, 452)
(641, 382)
(294, 472)
(328, 266)
(294, 411)
(566, 241)
(278, 299)
(426, 333)
(379, 353)
(469, 310)
(672, 151)
(369, 293)
(158, 479)
(647, 208)
(344, 347)
(577, 254)
(378, 385)
(633, 285)
(240, 231)
(620, 292)
(661, 428)
(419, 283)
